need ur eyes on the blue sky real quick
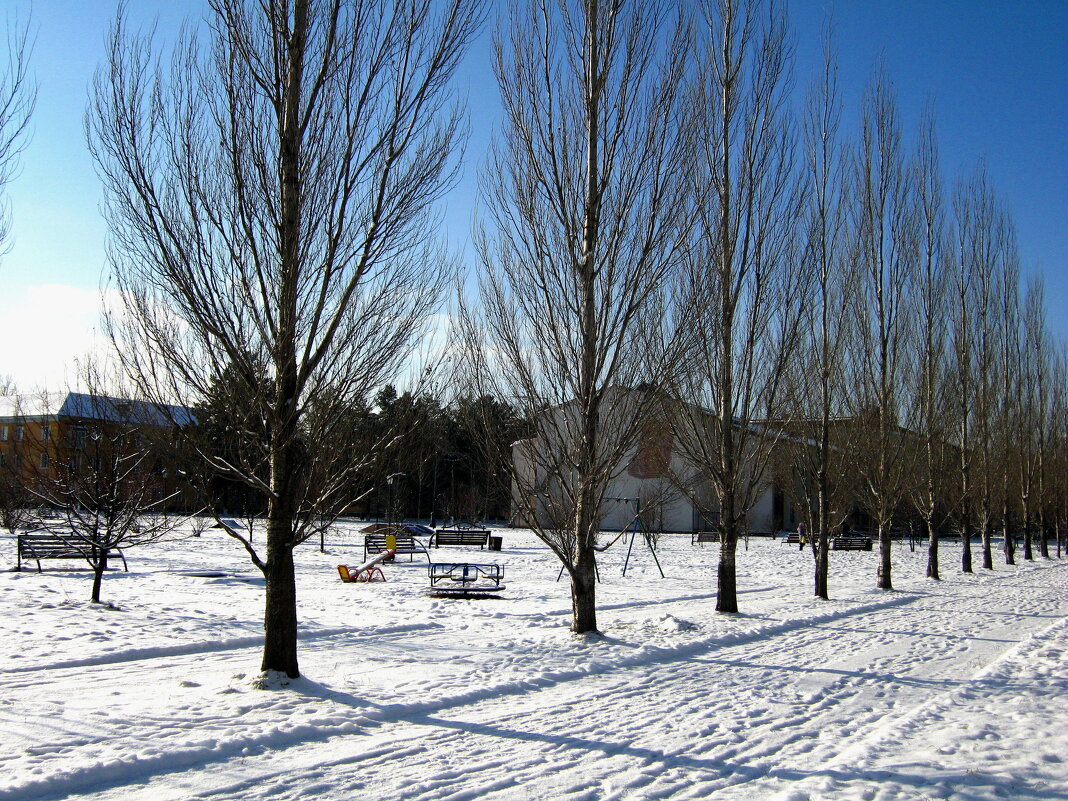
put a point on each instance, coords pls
(997, 73)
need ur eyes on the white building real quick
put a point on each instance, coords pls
(650, 470)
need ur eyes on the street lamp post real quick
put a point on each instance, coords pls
(452, 457)
(389, 509)
(434, 496)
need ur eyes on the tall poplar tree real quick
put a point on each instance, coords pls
(270, 196)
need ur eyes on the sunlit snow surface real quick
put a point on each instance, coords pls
(951, 690)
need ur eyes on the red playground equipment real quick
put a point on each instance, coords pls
(368, 571)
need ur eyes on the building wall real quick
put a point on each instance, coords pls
(45, 463)
(651, 471)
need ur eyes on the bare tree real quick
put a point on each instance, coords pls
(587, 211)
(1053, 376)
(1056, 494)
(1011, 445)
(963, 368)
(18, 96)
(98, 482)
(270, 199)
(822, 351)
(885, 259)
(930, 407)
(742, 282)
(1032, 408)
(979, 244)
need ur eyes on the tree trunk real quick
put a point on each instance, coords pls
(280, 614)
(966, 544)
(823, 501)
(1010, 543)
(885, 582)
(99, 563)
(988, 548)
(1029, 553)
(727, 580)
(966, 513)
(584, 593)
(99, 566)
(932, 551)
(822, 566)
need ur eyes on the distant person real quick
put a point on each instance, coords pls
(801, 539)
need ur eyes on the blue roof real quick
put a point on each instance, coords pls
(88, 406)
(121, 410)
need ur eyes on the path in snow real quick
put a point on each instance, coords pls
(838, 705)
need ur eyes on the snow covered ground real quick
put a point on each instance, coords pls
(951, 690)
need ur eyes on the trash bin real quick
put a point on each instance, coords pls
(495, 543)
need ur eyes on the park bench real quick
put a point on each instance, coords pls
(469, 537)
(405, 543)
(701, 537)
(460, 578)
(851, 544)
(43, 545)
(791, 538)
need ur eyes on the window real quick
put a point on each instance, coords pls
(76, 438)
(18, 433)
(3, 433)
(46, 432)
(44, 461)
(3, 459)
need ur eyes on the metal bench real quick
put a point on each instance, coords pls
(462, 578)
(42, 545)
(469, 537)
(851, 544)
(404, 543)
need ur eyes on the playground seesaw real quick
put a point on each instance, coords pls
(368, 571)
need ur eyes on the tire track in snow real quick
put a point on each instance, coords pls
(200, 648)
(849, 762)
(735, 761)
(214, 750)
(469, 729)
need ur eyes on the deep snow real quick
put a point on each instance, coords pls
(952, 690)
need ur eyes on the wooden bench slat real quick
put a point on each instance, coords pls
(461, 537)
(851, 544)
(42, 545)
(406, 543)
